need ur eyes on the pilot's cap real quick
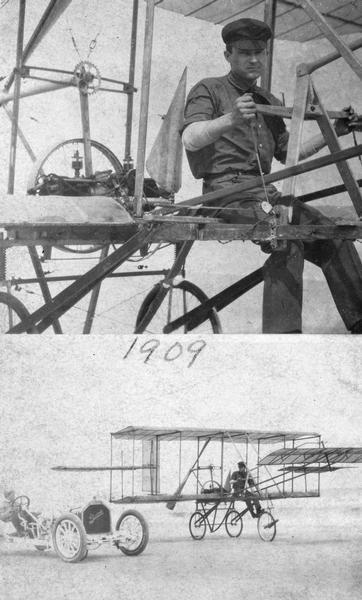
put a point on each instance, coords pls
(241, 464)
(250, 34)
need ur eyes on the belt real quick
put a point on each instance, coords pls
(211, 176)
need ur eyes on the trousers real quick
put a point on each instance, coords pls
(283, 270)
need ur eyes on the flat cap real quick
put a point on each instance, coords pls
(250, 31)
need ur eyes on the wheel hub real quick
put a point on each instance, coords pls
(88, 77)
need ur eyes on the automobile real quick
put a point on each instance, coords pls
(72, 534)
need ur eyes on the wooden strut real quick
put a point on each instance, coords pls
(332, 36)
(198, 315)
(210, 198)
(16, 104)
(305, 93)
(165, 286)
(43, 317)
(43, 283)
(84, 109)
(94, 297)
(144, 102)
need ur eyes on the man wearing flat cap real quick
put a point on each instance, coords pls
(242, 482)
(228, 142)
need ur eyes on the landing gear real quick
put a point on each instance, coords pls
(180, 299)
(267, 528)
(197, 526)
(233, 523)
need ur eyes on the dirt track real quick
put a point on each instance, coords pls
(309, 559)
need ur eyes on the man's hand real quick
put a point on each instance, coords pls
(347, 124)
(244, 108)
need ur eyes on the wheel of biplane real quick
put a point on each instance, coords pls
(233, 523)
(180, 299)
(197, 525)
(69, 538)
(267, 528)
(12, 312)
(131, 533)
(66, 159)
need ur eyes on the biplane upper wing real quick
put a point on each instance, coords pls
(227, 435)
(307, 456)
(292, 22)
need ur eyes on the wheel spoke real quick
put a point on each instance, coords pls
(180, 299)
(130, 532)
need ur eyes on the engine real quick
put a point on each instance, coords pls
(102, 183)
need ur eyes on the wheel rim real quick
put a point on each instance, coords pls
(233, 523)
(130, 533)
(197, 526)
(68, 538)
(211, 486)
(12, 312)
(61, 160)
(180, 299)
(266, 527)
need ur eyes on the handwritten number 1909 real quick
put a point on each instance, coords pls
(173, 352)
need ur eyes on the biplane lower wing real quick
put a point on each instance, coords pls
(166, 498)
(307, 456)
(88, 469)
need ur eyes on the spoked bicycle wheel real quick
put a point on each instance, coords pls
(233, 523)
(180, 299)
(267, 528)
(197, 525)
(12, 312)
(67, 159)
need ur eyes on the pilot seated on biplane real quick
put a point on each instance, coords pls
(240, 480)
(228, 142)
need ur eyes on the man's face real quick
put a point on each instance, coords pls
(246, 64)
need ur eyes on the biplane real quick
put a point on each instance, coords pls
(278, 465)
(83, 198)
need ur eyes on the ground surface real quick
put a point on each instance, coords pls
(315, 555)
